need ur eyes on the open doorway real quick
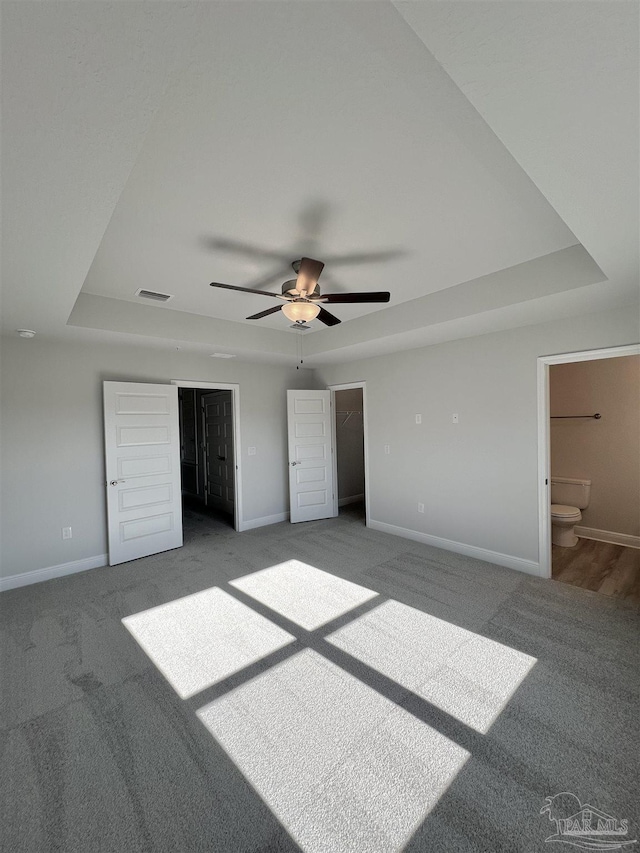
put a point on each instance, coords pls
(591, 534)
(350, 468)
(208, 459)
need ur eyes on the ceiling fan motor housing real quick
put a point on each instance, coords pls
(289, 288)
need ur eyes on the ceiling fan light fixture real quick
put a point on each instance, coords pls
(304, 311)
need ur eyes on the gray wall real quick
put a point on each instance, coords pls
(606, 451)
(477, 478)
(53, 448)
(349, 443)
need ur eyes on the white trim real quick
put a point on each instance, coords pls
(345, 386)
(238, 521)
(609, 536)
(264, 521)
(220, 386)
(530, 567)
(38, 575)
(544, 471)
(544, 438)
(354, 499)
(592, 354)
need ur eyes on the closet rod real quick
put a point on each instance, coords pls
(348, 414)
(597, 416)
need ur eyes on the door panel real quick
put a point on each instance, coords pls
(142, 460)
(189, 454)
(310, 460)
(219, 461)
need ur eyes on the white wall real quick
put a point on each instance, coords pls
(53, 448)
(477, 478)
(605, 451)
(349, 443)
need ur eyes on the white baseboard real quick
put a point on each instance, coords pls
(530, 567)
(38, 575)
(264, 521)
(608, 536)
(354, 499)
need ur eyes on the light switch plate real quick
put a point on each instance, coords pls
(252, 451)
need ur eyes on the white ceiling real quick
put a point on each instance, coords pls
(168, 145)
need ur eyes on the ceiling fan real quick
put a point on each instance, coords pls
(302, 296)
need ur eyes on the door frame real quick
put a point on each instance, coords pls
(544, 438)
(238, 518)
(345, 386)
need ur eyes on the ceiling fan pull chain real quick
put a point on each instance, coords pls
(299, 350)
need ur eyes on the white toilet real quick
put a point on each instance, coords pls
(568, 497)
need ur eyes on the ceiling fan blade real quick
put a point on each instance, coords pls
(372, 296)
(278, 275)
(248, 290)
(364, 257)
(238, 247)
(308, 275)
(265, 313)
(327, 318)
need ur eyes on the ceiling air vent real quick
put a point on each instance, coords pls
(153, 294)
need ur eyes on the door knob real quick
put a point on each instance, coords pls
(115, 482)
(295, 463)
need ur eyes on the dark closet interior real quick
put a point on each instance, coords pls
(207, 457)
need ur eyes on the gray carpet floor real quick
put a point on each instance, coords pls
(316, 687)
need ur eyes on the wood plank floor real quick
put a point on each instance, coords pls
(609, 569)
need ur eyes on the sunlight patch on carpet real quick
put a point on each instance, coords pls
(463, 673)
(342, 767)
(305, 595)
(198, 640)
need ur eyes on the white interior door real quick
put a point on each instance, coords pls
(310, 455)
(219, 465)
(142, 449)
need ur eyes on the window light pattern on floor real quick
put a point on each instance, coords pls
(469, 676)
(303, 594)
(198, 640)
(342, 767)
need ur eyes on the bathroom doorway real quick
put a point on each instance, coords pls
(350, 451)
(589, 421)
